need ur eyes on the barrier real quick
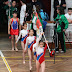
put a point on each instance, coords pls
(49, 32)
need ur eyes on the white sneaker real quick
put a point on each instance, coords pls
(62, 51)
(57, 51)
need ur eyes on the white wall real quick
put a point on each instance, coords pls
(68, 4)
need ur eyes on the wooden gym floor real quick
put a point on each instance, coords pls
(12, 61)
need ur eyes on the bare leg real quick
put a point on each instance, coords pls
(37, 66)
(30, 58)
(22, 44)
(16, 36)
(35, 58)
(43, 66)
(12, 41)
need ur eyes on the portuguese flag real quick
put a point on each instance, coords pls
(36, 20)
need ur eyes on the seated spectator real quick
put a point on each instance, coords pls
(12, 8)
(69, 15)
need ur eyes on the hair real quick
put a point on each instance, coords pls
(24, 24)
(15, 12)
(61, 9)
(38, 10)
(13, 0)
(31, 29)
(41, 41)
(69, 8)
(24, 1)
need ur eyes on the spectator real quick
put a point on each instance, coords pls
(69, 18)
(23, 11)
(58, 3)
(69, 15)
(12, 8)
(32, 7)
(62, 26)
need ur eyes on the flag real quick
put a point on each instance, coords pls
(36, 20)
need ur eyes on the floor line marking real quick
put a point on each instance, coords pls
(32, 60)
(28, 56)
(5, 62)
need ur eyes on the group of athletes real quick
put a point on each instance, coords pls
(34, 45)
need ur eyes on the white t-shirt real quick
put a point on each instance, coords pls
(22, 13)
(59, 2)
(68, 16)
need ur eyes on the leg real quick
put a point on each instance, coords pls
(35, 58)
(22, 44)
(43, 66)
(12, 41)
(37, 66)
(16, 36)
(62, 42)
(57, 43)
(30, 58)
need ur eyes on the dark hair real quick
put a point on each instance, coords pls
(13, 0)
(38, 10)
(61, 9)
(24, 24)
(24, 1)
(15, 12)
(41, 41)
(31, 29)
(69, 8)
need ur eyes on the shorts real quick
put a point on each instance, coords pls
(14, 32)
(40, 58)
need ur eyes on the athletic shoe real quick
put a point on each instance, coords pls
(57, 51)
(62, 51)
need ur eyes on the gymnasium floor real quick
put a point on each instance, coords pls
(12, 61)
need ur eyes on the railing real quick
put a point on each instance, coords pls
(49, 32)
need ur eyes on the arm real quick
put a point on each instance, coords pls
(70, 21)
(18, 37)
(38, 39)
(9, 26)
(57, 17)
(19, 25)
(63, 18)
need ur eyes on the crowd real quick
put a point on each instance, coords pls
(31, 40)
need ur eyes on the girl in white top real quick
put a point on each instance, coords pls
(29, 44)
(22, 12)
(24, 34)
(40, 51)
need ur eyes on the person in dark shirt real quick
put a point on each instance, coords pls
(58, 3)
(32, 7)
